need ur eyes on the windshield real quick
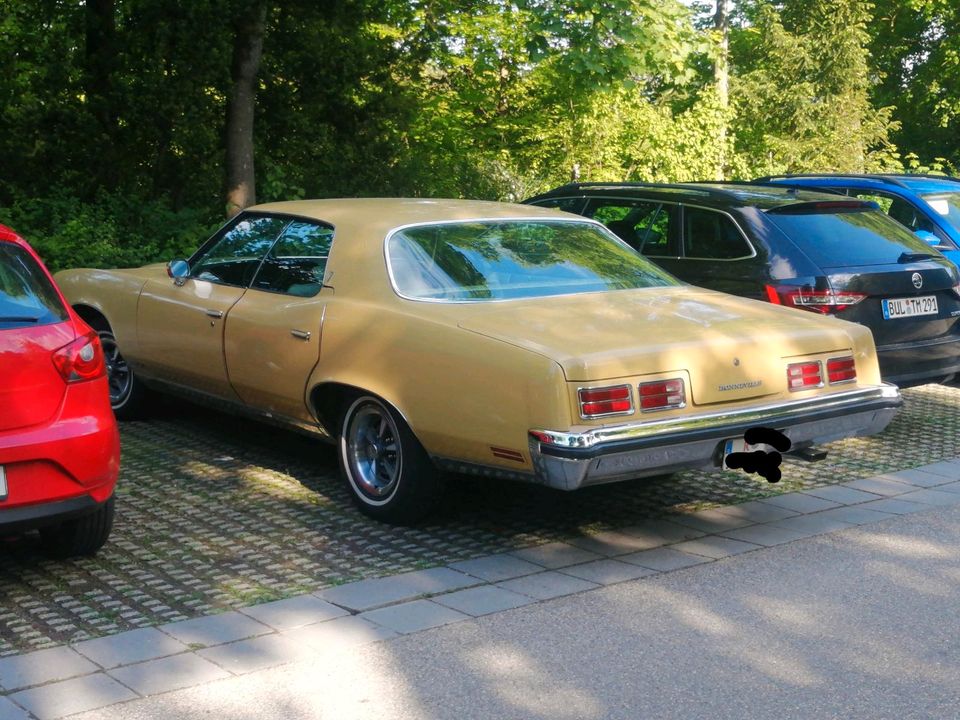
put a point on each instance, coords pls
(849, 238)
(947, 205)
(26, 296)
(506, 259)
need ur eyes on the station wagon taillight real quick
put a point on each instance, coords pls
(661, 395)
(841, 370)
(597, 402)
(804, 375)
(821, 301)
(81, 359)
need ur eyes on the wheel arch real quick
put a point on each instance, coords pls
(92, 316)
(328, 398)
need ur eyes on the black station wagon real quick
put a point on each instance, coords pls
(809, 250)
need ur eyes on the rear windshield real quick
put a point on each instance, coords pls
(27, 297)
(849, 238)
(947, 205)
(499, 260)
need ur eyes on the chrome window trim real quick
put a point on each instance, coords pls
(629, 388)
(571, 219)
(743, 235)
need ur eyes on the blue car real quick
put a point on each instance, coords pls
(927, 204)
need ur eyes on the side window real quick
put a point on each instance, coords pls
(296, 263)
(644, 225)
(710, 235)
(897, 208)
(235, 257)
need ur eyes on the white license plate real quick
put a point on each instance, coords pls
(740, 445)
(909, 307)
(3, 483)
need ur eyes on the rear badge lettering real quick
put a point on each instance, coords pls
(740, 386)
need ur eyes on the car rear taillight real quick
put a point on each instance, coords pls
(841, 370)
(661, 395)
(821, 301)
(956, 290)
(597, 402)
(804, 375)
(81, 359)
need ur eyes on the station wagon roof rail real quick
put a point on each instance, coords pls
(896, 179)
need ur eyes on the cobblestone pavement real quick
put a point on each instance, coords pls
(216, 513)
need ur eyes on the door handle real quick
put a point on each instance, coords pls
(302, 334)
(214, 313)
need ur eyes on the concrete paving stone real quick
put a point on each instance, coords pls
(339, 633)
(294, 612)
(215, 629)
(378, 592)
(607, 572)
(716, 547)
(880, 485)
(918, 477)
(414, 616)
(72, 696)
(757, 512)
(657, 533)
(129, 647)
(42, 666)
(810, 525)
(494, 568)
(664, 559)
(948, 468)
(10, 711)
(256, 653)
(800, 502)
(611, 543)
(842, 495)
(555, 555)
(895, 506)
(857, 515)
(483, 600)
(712, 521)
(766, 535)
(170, 673)
(953, 487)
(931, 497)
(547, 585)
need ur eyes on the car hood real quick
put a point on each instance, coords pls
(732, 348)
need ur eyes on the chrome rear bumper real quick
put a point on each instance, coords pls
(570, 460)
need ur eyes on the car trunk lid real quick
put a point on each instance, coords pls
(32, 388)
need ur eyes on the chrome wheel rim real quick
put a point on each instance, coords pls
(119, 377)
(373, 451)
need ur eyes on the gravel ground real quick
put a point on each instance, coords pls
(216, 513)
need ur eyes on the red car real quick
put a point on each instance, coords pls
(59, 445)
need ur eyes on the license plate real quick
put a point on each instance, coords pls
(3, 483)
(740, 445)
(894, 308)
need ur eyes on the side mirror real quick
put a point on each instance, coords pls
(179, 270)
(928, 237)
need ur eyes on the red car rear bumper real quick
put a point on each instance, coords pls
(64, 467)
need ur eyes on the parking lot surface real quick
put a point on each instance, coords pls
(216, 513)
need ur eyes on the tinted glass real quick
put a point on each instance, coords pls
(296, 263)
(235, 257)
(712, 235)
(947, 205)
(642, 224)
(514, 259)
(27, 298)
(843, 239)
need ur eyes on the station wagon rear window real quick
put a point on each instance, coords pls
(500, 260)
(26, 296)
(847, 238)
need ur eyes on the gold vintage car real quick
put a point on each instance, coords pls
(505, 340)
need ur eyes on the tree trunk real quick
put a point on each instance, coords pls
(721, 75)
(247, 49)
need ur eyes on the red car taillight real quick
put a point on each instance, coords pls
(821, 301)
(841, 370)
(661, 395)
(81, 359)
(804, 375)
(595, 402)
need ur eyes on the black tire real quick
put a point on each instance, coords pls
(129, 398)
(80, 536)
(389, 474)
